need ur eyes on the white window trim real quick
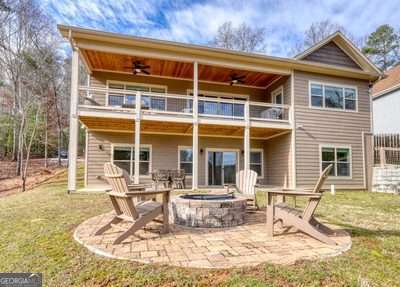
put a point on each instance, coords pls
(181, 147)
(262, 160)
(323, 96)
(337, 147)
(222, 150)
(124, 92)
(275, 93)
(132, 146)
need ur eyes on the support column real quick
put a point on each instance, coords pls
(293, 181)
(73, 122)
(195, 146)
(138, 108)
(246, 139)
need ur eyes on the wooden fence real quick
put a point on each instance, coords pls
(387, 149)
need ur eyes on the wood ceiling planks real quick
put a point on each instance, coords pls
(125, 125)
(159, 67)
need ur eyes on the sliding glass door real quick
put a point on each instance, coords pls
(222, 167)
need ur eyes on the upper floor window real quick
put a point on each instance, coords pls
(277, 96)
(333, 96)
(124, 95)
(220, 104)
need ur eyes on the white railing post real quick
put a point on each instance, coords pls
(195, 159)
(247, 136)
(138, 116)
(73, 122)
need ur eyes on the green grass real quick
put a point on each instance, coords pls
(36, 230)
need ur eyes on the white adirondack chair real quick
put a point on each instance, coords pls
(246, 185)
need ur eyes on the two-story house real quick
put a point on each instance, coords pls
(151, 104)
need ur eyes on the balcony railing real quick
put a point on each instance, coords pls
(180, 105)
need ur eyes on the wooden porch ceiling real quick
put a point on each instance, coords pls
(102, 61)
(157, 127)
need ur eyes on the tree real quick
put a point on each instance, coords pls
(319, 31)
(29, 64)
(242, 38)
(383, 47)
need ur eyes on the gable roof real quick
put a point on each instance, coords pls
(341, 41)
(389, 83)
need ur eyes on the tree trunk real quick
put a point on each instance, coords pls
(59, 147)
(28, 151)
(45, 142)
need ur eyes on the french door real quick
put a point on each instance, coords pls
(222, 167)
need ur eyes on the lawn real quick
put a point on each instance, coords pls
(36, 230)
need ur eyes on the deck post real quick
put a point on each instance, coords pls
(247, 136)
(138, 116)
(73, 122)
(195, 159)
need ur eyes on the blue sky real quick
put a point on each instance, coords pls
(197, 21)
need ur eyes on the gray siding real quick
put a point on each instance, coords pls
(279, 161)
(285, 83)
(317, 126)
(332, 54)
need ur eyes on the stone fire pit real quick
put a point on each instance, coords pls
(208, 210)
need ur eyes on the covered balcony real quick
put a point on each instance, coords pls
(146, 87)
(165, 91)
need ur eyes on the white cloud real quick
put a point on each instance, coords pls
(197, 22)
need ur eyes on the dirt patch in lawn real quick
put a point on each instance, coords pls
(13, 185)
(8, 168)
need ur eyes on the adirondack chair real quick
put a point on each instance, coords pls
(246, 185)
(303, 221)
(138, 213)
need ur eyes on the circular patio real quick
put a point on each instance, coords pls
(244, 245)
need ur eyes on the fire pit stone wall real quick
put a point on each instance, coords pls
(208, 213)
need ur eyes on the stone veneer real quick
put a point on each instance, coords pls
(208, 213)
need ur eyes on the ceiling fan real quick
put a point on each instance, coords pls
(236, 79)
(138, 67)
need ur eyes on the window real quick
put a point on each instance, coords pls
(126, 97)
(185, 159)
(124, 157)
(256, 162)
(220, 104)
(333, 96)
(316, 95)
(277, 96)
(339, 157)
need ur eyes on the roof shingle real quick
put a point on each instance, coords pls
(392, 78)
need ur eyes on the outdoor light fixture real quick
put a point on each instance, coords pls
(101, 147)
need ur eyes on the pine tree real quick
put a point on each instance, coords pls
(382, 47)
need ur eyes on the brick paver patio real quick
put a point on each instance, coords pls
(245, 245)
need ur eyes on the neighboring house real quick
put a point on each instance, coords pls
(213, 112)
(386, 103)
